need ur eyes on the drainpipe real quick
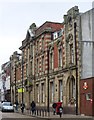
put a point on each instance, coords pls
(48, 83)
(15, 81)
(76, 68)
(22, 78)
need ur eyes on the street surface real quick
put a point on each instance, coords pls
(13, 115)
(19, 116)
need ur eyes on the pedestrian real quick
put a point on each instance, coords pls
(16, 103)
(54, 105)
(33, 107)
(22, 107)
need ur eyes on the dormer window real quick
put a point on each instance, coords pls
(55, 35)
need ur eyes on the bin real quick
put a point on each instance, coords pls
(59, 104)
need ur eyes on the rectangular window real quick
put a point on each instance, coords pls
(71, 54)
(42, 64)
(51, 92)
(26, 69)
(37, 67)
(60, 57)
(31, 68)
(51, 61)
(37, 45)
(43, 43)
(42, 93)
(60, 91)
(37, 93)
(31, 51)
(88, 96)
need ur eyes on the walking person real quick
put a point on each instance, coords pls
(16, 103)
(54, 105)
(22, 107)
(33, 107)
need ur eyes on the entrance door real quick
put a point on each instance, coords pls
(83, 104)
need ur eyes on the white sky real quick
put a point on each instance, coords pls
(17, 15)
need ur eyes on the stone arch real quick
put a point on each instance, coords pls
(70, 89)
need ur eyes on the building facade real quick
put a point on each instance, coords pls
(15, 81)
(5, 82)
(51, 63)
(57, 65)
(87, 74)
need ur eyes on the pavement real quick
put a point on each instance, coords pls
(50, 116)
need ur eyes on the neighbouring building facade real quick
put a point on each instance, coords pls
(5, 82)
(15, 81)
(87, 61)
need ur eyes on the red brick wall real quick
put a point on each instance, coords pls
(87, 106)
(18, 73)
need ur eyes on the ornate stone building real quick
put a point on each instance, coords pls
(49, 69)
(51, 63)
(35, 56)
(57, 65)
(64, 63)
(72, 59)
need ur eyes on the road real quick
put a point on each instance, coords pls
(13, 115)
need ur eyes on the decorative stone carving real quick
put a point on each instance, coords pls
(69, 38)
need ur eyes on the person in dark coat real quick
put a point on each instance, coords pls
(22, 107)
(33, 107)
(54, 105)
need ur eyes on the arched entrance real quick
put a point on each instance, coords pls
(71, 90)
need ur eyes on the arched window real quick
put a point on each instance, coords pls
(71, 89)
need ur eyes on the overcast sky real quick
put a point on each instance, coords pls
(17, 15)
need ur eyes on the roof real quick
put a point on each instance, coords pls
(46, 27)
(50, 26)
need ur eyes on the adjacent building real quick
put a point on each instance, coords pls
(87, 63)
(5, 82)
(15, 75)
